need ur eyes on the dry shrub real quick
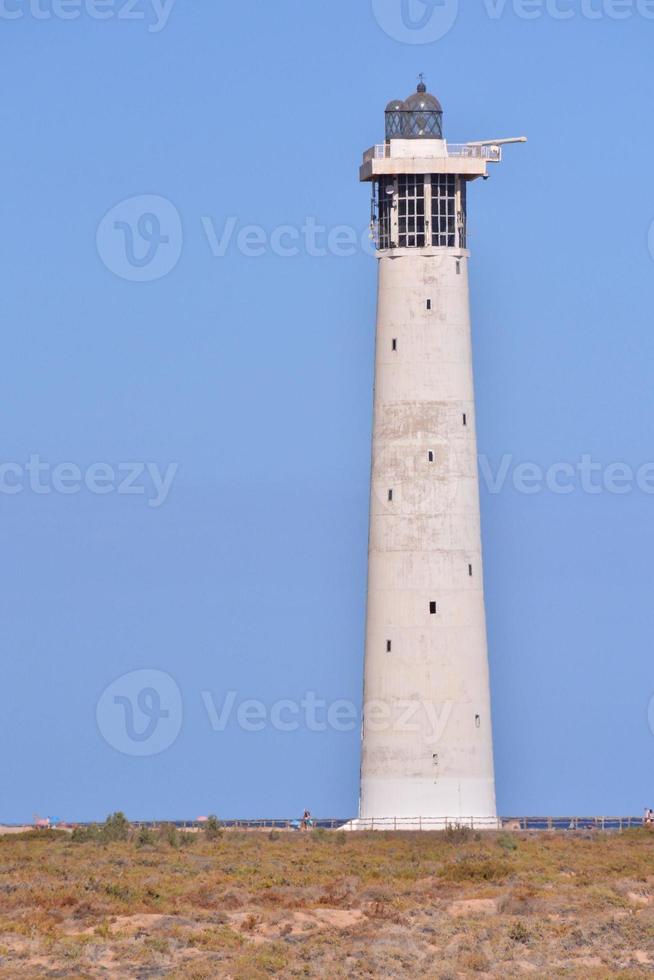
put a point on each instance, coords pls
(474, 961)
(169, 834)
(118, 890)
(518, 933)
(158, 944)
(195, 971)
(249, 924)
(205, 897)
(475, 869)
(146, 838)
(519, 901)
(456, 834)
(339, 894)
(377, 895)
(231, 900)
(67, 900)
(213, 828)
(291, 898)
(259, 964)
(575, 939)
(215, 939)
(384, 911)
(85, 909)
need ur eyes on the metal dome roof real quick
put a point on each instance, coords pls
(422, 102)
(419, 117)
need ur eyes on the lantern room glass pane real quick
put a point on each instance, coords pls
(425, 124)
(393, 124)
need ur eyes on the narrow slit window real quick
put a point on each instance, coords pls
(470, 570)
(431, 457)
(433, 608)
(394, 344)
(465, 419)
(478, 721)
(458, 267)
(390, 496)
(429, 304)
(389, 646)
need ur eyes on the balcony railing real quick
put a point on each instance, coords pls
(493, 154)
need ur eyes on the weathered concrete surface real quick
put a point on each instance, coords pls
(427, 737)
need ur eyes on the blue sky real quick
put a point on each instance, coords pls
(247, 379)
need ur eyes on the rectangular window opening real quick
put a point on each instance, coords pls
(433, 608)
(465, 419)
(383, 204)
(394, 344)
(389, 646)
(429, 304)
(447, 220)
(431, 457)
(411, 211)
(458, 267)
(390, 496)
(470, 570)
(478, 721)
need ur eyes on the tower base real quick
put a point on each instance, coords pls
(421, 824)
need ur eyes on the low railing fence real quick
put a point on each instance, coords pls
(425, 823)
(490, 152)
(390, 824)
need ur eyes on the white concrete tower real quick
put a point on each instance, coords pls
(427, 755)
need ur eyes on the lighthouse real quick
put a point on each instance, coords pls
(427, 743)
